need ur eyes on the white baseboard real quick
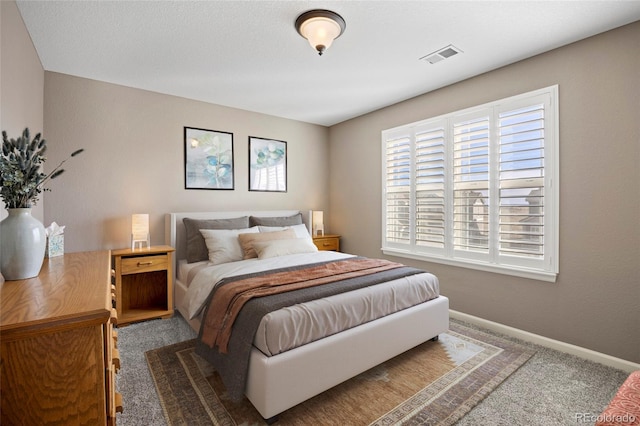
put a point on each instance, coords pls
(578, 351)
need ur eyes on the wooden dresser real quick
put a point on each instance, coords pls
(58, 355)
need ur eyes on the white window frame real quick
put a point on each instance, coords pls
(545, 269)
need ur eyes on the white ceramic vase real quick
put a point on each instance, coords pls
(22, 244)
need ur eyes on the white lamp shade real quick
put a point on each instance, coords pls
(317, 219)
(320, 31)
(140, 231)
(139, 227)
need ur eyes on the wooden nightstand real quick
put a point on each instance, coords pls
(144, 283)
(327, 242)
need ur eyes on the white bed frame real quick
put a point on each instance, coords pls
(277, 383)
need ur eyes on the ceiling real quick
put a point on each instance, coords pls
(248, 55)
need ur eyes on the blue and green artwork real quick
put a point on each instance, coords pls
(267, 165)
(208, 159)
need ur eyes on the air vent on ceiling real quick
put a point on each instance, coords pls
(441, 54)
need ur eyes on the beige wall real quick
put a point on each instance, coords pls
(595, 302)
(134, 160)
(21, 82)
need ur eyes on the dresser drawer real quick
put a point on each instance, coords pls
(138, 264)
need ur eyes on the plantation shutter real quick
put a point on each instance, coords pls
(471, 139)
(477, 188)
(397, 182)
(521, 182)
(430, 187)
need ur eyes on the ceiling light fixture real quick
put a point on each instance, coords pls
(320, 27)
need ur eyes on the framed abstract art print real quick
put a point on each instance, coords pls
(267, 165)
(208, 159)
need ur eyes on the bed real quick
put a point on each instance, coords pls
(279, 378)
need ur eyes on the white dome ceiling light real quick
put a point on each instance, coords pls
(320, 27)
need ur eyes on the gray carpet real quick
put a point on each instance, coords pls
(552, 388)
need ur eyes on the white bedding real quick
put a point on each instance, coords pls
(186, 270)
(297, 325)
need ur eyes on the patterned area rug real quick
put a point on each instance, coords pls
(435, 383)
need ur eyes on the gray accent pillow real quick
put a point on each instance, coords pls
(196, 247)
(296, 219)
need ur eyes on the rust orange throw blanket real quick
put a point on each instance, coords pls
(230, 298)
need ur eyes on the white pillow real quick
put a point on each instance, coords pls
(276, 248)
(301, 230)
(223, 244)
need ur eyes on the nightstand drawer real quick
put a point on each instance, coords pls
(327, 243)
(135, 265)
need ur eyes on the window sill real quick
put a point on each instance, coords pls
(498, 269)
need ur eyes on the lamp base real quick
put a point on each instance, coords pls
(137, 244)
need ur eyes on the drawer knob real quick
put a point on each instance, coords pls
(116, 359)
(118, 398)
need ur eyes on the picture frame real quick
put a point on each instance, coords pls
(208, 159)
(267, 165)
